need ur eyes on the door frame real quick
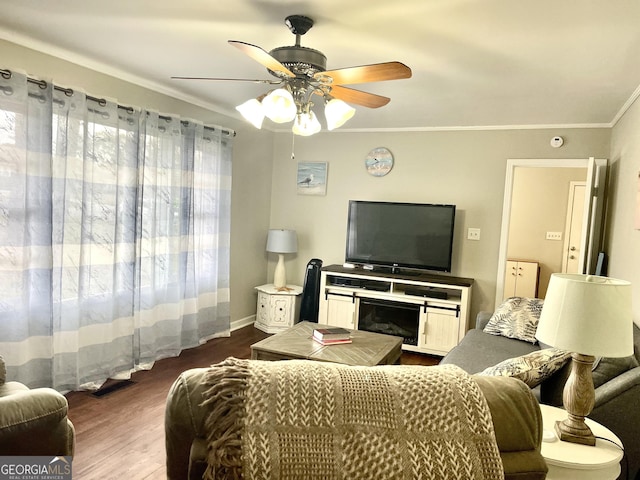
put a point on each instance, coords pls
(596, 175)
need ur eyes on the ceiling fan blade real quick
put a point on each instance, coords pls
(350, 95)
(367, 73)
(262, 57)
(269, 82)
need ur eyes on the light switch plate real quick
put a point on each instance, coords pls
(473, 234)
(554, 235)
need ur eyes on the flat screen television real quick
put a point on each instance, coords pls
(403, 235)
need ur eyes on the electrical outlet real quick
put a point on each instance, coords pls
(554, 235)
(473, 234)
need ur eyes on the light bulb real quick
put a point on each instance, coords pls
(253, 111)
(306, 124)
(279, 106)
(337, 113)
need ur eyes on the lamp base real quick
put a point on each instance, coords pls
(280, 275)
(578, 398)
(575, 434)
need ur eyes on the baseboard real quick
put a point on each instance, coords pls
(243, 322)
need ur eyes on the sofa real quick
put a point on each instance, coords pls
(617, 382)
(309, 411)
(33, 421)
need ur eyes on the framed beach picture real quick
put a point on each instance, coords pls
(312, 178)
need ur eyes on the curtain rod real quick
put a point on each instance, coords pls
(7, 74)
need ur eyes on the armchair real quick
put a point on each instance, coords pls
(33, 421)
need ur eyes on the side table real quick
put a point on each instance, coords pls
(277, 309)
(571, 460)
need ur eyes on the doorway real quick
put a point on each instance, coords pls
(594, 200)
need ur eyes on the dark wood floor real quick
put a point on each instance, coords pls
(121, 435)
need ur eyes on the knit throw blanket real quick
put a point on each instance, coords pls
(299, 419)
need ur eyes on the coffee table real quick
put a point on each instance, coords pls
(366, 349)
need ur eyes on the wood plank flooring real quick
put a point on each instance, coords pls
(121, 434)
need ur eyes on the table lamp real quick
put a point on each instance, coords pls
(281, 242)
(589, 316)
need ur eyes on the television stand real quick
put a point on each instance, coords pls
(430, 311)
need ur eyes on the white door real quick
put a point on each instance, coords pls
(573, 229)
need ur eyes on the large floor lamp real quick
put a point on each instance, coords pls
(589, 316)
(281, 242)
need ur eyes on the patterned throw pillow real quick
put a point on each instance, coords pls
(532, 368)
(516, 317)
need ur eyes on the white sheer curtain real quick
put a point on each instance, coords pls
(114, 235)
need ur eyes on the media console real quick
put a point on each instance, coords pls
(430, 311)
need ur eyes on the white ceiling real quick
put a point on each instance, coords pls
(475, 63)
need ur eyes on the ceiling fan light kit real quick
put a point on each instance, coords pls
(337, 113)
(252, 111)
(306, 124)
(279, 106)
(302, 73)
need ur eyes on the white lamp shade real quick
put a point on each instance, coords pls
(337, 113)
(282, 241)
(279, 106)
(587, 314)
(253, 111)
(306, 124)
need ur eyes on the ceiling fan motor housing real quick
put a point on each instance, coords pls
(300, 60)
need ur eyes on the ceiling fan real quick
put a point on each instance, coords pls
(301, 73)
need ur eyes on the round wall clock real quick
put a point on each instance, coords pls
(379, 162)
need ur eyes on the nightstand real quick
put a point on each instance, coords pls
(571, 460)
(277, 309)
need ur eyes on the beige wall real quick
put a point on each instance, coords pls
(252, 161)
(466, 168)
(623, 240)
(539, 205)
